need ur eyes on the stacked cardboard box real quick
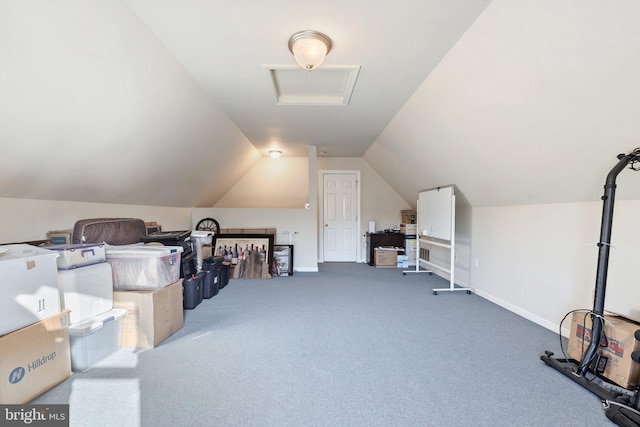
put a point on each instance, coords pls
(60, 237)
(34, 346)
(410, 229)
(617, 348)
(408, 216)
(151, 316)
(385, 257)
(34, 359)
(29, 291)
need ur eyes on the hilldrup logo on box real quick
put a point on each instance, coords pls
(35, 415)
(17, 375)
(19, 372)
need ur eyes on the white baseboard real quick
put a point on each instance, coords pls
(305, 270)
(521, 312)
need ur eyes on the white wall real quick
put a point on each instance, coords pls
(26, 219)
(271, 183)
(540, 260)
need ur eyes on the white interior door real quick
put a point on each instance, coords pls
(340, 216)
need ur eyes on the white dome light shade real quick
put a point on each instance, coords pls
(309, 48)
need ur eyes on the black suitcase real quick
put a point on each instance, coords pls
(113, 231)
(192, 291)
(171, 238)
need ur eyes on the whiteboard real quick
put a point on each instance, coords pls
(435, 213)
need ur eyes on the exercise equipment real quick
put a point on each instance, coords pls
(622, 406)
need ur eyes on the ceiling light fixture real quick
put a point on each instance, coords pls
(309, 48)
(275, 154)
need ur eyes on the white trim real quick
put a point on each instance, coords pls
(321, 174)
(523, 313)
(306, 270)
(348, 72)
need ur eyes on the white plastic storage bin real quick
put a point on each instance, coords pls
(94, 339)
(144, 267)
(87, 291)
(74, 256)
(28, 286)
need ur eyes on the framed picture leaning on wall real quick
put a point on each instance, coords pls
(236, 248)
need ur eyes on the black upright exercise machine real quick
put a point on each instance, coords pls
(622, 406)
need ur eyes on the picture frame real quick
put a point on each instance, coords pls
(257, 241)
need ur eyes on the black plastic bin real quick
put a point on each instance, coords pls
(211, 266)
(192, 290)
(171, 238)
(221, 270)
(223, 277)
(210, 284)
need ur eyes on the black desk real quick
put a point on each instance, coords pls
(375, 240)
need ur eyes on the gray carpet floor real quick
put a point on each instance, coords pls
(351, 345)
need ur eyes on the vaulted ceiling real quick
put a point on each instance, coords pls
(169, 103)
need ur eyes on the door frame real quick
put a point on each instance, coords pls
(321, 175)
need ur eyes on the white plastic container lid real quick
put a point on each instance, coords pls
(74, 246)
(144, 250)
(96, 323)
(204, 237)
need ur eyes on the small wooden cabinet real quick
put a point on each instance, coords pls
(375, 240)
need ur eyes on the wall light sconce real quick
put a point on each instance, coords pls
(275, 154)
(309, 48)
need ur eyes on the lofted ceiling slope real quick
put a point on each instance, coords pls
(95, 109)
(169, 103)
(532, 105)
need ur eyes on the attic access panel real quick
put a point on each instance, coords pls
(329, 85)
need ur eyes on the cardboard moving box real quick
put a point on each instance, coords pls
(385, 258)
(408, 216)
(620, 343)
(29, 289)
(152, 316)
(34, 359)
(60, 237)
